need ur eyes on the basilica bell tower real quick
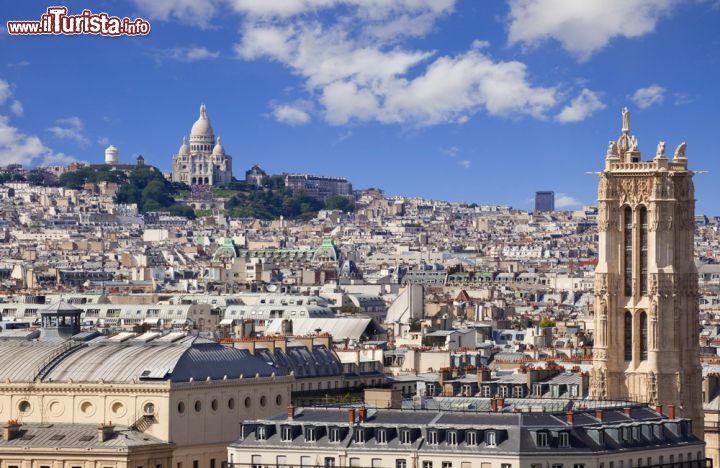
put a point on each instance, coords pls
(646, 286)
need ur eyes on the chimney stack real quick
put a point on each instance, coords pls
(493, 405)
(658, 409)
(628, 412)
(570, 417)
(671, 411)
(362, 413)
(351, 416)
(500, 403)
(105, 431)
(11, 429)
(599, 415)
(291, 412)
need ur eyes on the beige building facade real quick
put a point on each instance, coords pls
(646, 285)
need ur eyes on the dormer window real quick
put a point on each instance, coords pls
(334, 435)
(287, 433)
(310, 434)
(381, 436)
(432, 437)
(452, 438)
(564, 439)
(541, 439)
(490, 439)
(360, 436)
(471, 437)
(261, 433)
(405, 436)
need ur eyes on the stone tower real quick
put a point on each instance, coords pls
(646, 286)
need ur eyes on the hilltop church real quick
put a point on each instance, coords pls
(203, 161)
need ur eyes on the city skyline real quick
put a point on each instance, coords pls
(442, 99)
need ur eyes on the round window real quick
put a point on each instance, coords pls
(278, 400)
(198, 405)
(87, 408)
(247, 402)
(24, 406)
(214, 405)
(231, 403)
(181, 407)
(263, 400)
(118, 408)
(149, 409)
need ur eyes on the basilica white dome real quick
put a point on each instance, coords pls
(201, 129)
(184, 148)
(218, 150)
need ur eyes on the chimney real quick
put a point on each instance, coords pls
(493, 405)
(105, 431)
(351, 416)
(671, 411)
(291, 412)
(627, 412)
(500, 403)
(658, 409)
(570, 417)
(11, 429)
(599, 415)
(362, 413)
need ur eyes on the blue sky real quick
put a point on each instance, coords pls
(462, 100)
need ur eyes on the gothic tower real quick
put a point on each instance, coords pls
(646, 286)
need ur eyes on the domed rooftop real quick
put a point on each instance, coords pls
(184, 148)
(201, 129)
(218, 150)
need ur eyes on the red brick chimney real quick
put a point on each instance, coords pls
(628, 412)
(11, 429)
(362, 413)
(658, 409)
(599, 415)
(291, 412)
(493, 405)
(671, 411)
(500, 403)
(570, 417)
(351, 416)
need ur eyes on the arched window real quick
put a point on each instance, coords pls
(627, 341)
(643, 336)
(643, 250)
(627, 238)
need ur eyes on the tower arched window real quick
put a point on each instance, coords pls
(627, 335)
(628, 243)
(643, 250)
(643, 336)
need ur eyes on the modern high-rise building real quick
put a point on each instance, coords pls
(646, 284)
(544, 201)
(203, 161)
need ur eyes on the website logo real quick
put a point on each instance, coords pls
(57, 21)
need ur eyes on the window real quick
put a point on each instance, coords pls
(381, 436)
(287, 433)
(628, 336)
(427, 464)
(309, 434)
(627, 238)
(432, 437)
(471, 437)
(329, 462)
(400, 463)
(447, 464)
(196, 464)
(556, 465)
(643, 336)
(486, 391)
(261, 433)
(579, 465)
(564, 439)
(542, 439)
(405, 436)
(334, 434)
(490, 439)
(505, 465)
(360, 436)
(643, 250)
(212, 464)
(452, 438)
(518, 391)
(504, 391)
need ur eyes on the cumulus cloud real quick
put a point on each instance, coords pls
(580, 108)
(566, 202)
(17, 108)
(292, 114)
(583, 27)
(187, 54)
(19, 148)
(650, 96)
(191, 12)
(70, 128)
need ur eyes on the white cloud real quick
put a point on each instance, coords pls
(583, 27)
(70, 128)
(17, 108)
(5, 91)
(292, 114)
(369, 9)
(580, 108)
(465, 163)
(188, 54)
(19, 148)
(451, 151)
(103, 141)
(566, 202)
(650, 96)
(192, 12)
(20, 64)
